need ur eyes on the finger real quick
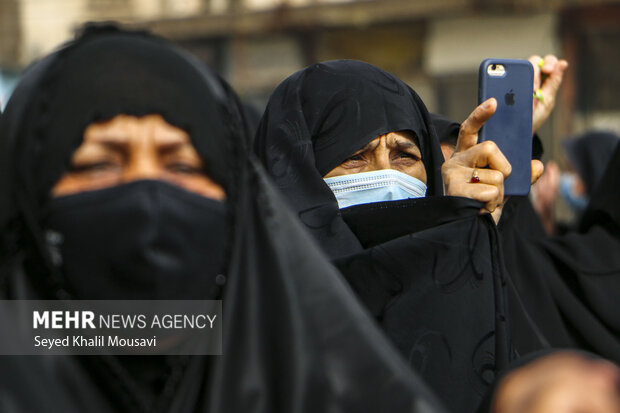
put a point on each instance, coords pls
(493, 205)
(552, 83)
(488, 154)
(489, 194)
(495, 178)
(468, 133)
(490, 177)
(497, 214)
(550, 64)
(535, 61)
(537, 170)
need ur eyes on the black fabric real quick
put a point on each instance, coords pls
(379, 222)
(295, 338)
(538, 149)
(439, 294)
(569, 283)
(138, 241)
(589, 155)
(317, 118)
(430, 270)
(253, 115)
(447, 130)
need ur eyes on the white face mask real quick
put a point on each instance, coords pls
(375, 186)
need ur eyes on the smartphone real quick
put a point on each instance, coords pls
(510, 82)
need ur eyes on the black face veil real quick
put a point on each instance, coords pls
(295, 339)
(318, 117)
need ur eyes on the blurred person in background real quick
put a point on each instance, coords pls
(587, 156)
(568, 282)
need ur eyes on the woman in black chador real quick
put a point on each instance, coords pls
(427, 266)
(134, 156)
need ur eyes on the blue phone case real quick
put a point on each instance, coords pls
(511, 125)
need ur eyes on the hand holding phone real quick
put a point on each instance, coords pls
(477, 170)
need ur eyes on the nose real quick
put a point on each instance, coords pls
(381, 156)
(141, 165)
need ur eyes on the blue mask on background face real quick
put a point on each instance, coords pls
(375, 186)
(577, 202)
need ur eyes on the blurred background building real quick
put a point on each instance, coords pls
(434, 45)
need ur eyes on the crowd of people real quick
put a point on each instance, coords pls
(363, 249)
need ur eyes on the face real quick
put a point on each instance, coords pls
(127, 148)
(394, 150)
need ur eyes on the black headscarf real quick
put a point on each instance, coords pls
(317, 118)
(295, 339)
(589, 154)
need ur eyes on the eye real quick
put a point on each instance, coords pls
(354, 161)
(94, 166)
(184, 168)
(407, 155)
(355, 157)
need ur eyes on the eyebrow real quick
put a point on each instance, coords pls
(173, 146)
(405, 143)
(117, 140)
(105, 138)
(115, 145)
(123, 147)
(368, 146)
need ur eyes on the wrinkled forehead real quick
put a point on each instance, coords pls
(403, 137)
(398, 139)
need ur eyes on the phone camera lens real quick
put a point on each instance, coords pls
(492, 67)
